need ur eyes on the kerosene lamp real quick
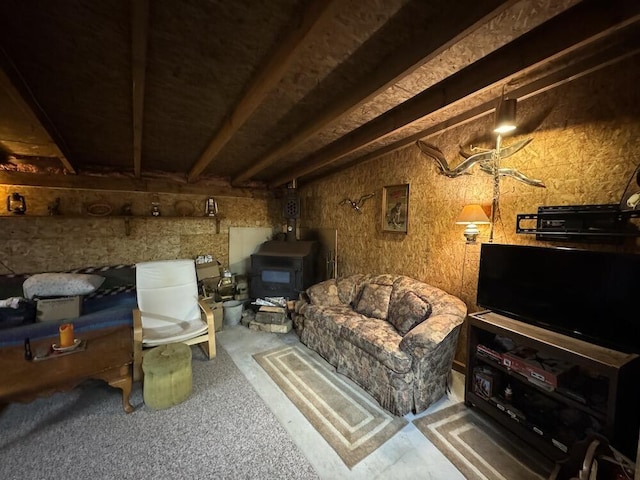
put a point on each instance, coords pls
(16, 203)
(211, 207)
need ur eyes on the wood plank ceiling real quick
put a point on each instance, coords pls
(258, 93)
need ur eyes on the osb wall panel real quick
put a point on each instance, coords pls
(585, 150)
(37, 242)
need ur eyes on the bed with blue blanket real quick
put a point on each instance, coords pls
(110, 305)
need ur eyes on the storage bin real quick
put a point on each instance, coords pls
(232, 312)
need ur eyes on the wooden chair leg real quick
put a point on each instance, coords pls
(210, 349)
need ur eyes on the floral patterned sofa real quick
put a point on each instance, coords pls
(393, 335)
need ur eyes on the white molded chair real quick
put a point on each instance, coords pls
(169, 310)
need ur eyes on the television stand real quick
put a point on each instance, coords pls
(550, 389)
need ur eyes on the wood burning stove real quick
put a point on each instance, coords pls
(282, 269)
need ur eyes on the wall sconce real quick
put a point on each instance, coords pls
(471, 216)
(506, 116)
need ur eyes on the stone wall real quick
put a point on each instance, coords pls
(586, 139)
(36, 242)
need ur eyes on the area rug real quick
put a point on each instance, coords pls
(224, 430)
(346, 417)
(479, 449)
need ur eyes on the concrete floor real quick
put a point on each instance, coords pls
(407, 455)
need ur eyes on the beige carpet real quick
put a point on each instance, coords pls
(478, 448)
(348, 419)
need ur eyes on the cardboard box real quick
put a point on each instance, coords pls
(533, 365)
(486, 382)
(216, 308)
(61, 308)
(207, 270)
(489, 353)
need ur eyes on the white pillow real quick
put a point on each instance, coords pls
(60, 284)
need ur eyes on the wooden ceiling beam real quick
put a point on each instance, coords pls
(450, 30)
(538, 86)
(126, 184)
(139, 36)
(580, 25)
(13, 83)
(267, 77)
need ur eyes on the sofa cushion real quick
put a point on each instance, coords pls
(324, 293)
(374, 301)
(379, 339)
(408, 312)
(348, 288)
(329, 318)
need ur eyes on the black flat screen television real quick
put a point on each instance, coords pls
(589, 295)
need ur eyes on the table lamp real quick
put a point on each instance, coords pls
(471, 216)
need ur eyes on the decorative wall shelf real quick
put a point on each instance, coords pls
(581, 223)
(125, 218)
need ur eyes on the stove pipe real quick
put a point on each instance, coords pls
(291, 209)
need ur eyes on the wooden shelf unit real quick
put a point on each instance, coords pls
(126, 218)
(617, 372)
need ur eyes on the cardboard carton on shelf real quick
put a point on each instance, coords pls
(59, 308)
(535, 366)
(489, 353)
(486, 382)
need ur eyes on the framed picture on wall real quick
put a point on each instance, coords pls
(395, 208)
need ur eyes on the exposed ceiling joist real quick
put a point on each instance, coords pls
(449, 30)
(146, 107)
(139, 36)
(557, 78)
(265, 79)
(12, 83)
(582, 24)
(125, 184)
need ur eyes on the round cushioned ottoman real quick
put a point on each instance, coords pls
(167, 375)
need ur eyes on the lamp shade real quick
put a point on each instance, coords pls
(506, 116)
(472, 214)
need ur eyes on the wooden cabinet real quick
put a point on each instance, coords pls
(556, 391)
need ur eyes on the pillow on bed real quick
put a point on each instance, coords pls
(60, 284)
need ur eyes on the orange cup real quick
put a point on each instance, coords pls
(66, 335)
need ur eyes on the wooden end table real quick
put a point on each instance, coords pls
(108, 356)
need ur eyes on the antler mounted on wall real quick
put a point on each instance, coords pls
(357, 204)
(484, 158)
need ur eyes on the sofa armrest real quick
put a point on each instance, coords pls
(301, 303)
(426, 336)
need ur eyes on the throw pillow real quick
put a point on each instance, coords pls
(60, 284)
(324, 293)
(374, 301)
(409, 312)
